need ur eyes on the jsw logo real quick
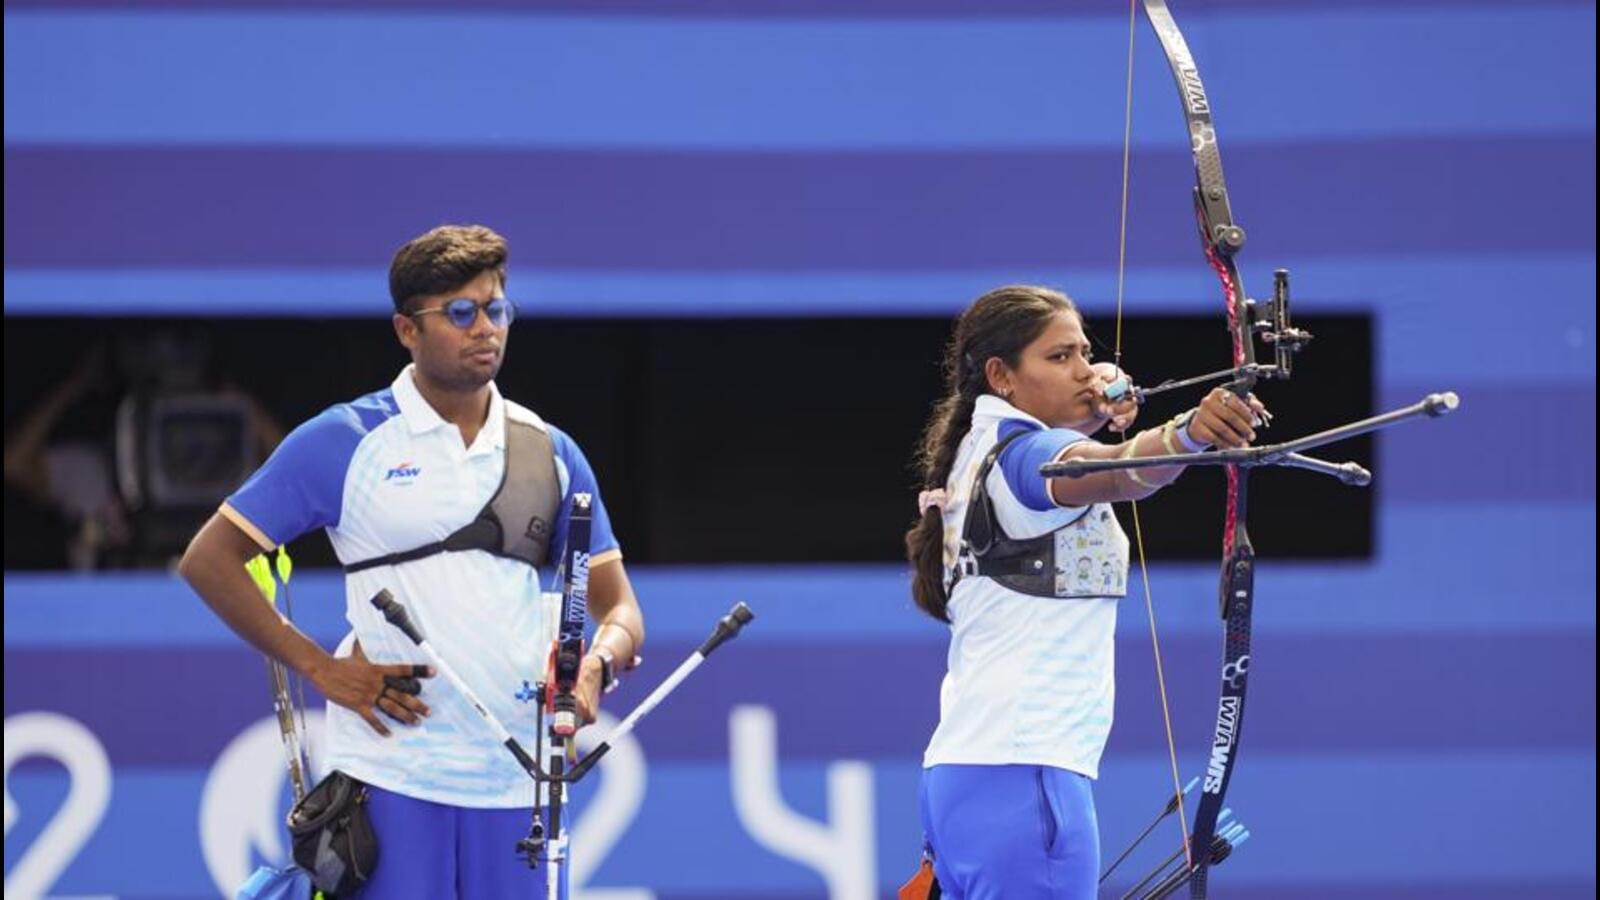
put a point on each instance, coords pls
(404, 470)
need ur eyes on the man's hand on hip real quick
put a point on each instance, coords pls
(368, 688)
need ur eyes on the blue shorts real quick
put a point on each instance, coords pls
(429, 851)
(1012, 832)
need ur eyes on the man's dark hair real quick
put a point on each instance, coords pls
(444, 259)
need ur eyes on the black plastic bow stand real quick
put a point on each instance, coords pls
(550, 844)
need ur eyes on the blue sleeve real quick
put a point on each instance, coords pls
(580, 479)
(301, 486)
(1020, 461)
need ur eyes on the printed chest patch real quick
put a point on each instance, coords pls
(1092, 556)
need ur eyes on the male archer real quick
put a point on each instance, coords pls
(451, 497)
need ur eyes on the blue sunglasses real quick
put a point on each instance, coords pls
(463, 312)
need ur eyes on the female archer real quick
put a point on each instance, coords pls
(1027, 571)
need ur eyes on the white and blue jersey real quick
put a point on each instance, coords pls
(1030, 679)
(385, 474)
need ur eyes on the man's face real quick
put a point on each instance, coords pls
(450, 356)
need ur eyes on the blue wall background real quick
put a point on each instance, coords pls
(1421, 725)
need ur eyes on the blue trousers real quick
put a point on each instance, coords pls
(1012, 832)
(429, 851)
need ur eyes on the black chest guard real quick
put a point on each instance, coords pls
(517, 521)
(1059, 563)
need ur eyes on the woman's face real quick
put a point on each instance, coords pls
(1053, 381)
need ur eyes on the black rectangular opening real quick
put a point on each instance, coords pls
(742, 440)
